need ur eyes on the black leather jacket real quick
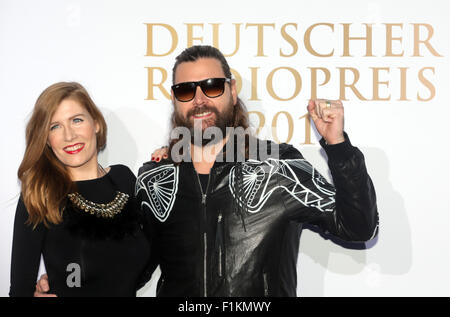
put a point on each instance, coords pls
(206, 248)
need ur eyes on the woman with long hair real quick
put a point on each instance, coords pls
(79, 216)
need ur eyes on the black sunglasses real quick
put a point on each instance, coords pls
(211, 87)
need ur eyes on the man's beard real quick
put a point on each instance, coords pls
(221, 122)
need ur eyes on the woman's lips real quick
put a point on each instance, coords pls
(73, 149)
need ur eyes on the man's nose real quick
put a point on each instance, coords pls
(200, 97)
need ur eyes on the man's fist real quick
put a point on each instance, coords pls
(328, 117)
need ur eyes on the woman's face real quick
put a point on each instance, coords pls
(72, 136)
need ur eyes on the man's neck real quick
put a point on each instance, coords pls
(203, 157)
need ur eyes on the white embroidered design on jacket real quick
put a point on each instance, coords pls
(257, 176)
(160, 186)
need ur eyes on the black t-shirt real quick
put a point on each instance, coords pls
(85, 255)
(204, 181)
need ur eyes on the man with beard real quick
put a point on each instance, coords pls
(231, 227)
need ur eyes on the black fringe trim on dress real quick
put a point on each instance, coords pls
(127, 223)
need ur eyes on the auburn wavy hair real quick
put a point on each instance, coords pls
(45, 180)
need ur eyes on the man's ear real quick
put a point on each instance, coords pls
(172, 96)
(234, 91)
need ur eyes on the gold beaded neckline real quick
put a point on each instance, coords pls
(108, 210)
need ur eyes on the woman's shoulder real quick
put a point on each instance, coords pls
(122, 172)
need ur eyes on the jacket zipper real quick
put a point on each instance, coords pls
(266, 286)
(205, 238)
(219, 220)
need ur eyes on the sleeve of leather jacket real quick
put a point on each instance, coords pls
(348, 209)
(150, 232)
(153, 263)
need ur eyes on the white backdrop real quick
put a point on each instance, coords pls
(104, 45)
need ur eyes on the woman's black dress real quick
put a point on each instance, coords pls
(85, 255)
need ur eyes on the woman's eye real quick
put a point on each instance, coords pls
(77, 120)
(53, 127)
